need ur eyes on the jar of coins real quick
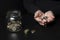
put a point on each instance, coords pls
(14, 21)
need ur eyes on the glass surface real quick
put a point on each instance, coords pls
(14, 21)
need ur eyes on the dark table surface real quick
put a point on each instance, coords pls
(41, 33)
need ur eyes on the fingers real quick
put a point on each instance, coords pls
(43, 22)
(50, 19)
(39, 17)
(49, 13)
(50, 16)
(38, 14)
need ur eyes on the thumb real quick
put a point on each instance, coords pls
(38, 13)
(50, 13)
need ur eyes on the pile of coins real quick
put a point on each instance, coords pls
(14, 26)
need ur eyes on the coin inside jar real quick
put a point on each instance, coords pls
(14, 25)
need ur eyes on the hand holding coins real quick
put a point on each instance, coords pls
(44, 18)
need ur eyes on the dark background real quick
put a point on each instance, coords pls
(7, 5)
(53, 32)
